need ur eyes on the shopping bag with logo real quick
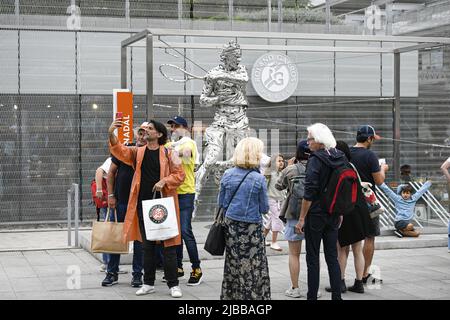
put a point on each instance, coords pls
(160, 218)
(107, 236)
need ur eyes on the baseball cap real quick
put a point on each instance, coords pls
(367, 131)
(143, 126)
(303, 148)
(178, 120)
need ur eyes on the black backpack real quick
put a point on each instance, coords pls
(340, 193)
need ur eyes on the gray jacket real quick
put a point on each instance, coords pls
(284, 182)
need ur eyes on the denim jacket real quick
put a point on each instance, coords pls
(250, 200)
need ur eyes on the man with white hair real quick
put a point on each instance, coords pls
(314, 221)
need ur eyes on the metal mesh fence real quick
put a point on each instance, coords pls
(7, 7)
(39, 155)
(140, 13)
(46, 7)
(48, 142)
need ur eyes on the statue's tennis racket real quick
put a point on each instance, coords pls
(175, 69)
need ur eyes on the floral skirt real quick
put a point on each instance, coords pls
(246, 272)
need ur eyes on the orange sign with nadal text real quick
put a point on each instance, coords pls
(123, 106)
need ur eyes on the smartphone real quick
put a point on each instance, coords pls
(382, 161)
(119, 115)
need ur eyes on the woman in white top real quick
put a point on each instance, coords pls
(276, 198)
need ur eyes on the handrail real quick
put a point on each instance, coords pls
(439, 205)
(389, 209)
(431, 202)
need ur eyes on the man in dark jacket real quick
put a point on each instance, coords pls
(314, 222)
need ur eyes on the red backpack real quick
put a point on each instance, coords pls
(103, 202)
(340, 194)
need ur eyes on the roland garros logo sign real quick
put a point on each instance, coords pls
(158, 214)
(274, 77)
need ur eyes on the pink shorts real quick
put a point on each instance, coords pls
(274, 222)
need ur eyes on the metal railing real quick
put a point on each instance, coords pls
(73, 194)
(435, 206)
(387, 219)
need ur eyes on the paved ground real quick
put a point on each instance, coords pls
(420, 273)
(39, 264)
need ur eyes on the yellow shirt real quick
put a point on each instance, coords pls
(188, 164)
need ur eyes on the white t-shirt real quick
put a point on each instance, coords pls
(105, 167)
(177, 144)
(264, 162)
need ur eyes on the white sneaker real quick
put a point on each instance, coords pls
(102, 268)
(267, 243)
(275, 246)
(293, 292)
(145, 289)
(175, 292)
(319, 294)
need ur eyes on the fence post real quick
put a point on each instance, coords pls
(77, 211)
(69, 214)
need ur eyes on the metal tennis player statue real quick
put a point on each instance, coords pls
(224, 89)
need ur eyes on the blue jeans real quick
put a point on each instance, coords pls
(105, 256)
(320, 227)
(402, 224)
(186, 204)
(138, 254)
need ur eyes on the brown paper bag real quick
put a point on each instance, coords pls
(107, 236)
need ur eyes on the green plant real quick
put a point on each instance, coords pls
(297, 15)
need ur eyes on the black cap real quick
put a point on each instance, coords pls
(367, 132)
(178, 120)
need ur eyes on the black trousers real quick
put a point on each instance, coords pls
(150, 258)
(320, 227)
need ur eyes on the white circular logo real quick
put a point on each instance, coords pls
(274, 77)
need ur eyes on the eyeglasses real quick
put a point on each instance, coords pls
(309, 139)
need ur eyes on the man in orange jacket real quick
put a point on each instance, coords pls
(158, 170)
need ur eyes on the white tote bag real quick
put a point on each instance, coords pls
(160, 219)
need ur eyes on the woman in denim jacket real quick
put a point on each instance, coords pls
(246, 272)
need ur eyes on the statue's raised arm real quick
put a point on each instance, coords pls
(226, 83)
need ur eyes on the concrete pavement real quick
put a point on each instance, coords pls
(419, 273)
(40, 265)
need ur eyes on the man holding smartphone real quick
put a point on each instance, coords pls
(120, 177)
(370, 170)
(158, 172)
